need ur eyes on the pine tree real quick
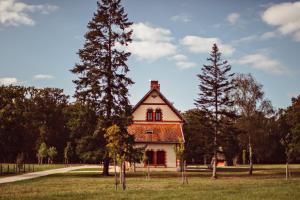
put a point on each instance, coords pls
(102, 82)
(215, 84)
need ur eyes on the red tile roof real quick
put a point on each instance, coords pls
(162, 133)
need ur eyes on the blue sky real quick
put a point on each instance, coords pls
(39, 40)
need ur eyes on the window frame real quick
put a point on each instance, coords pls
(158, 111)
(149, 114)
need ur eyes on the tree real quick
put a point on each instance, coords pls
(103, 81)
(229, 139)
(179, 150)
(42, 152)
(215, 84)
(248, 99)
(52, 153)
(81, 122)
(48, 117)
(114, 144)
(198, 135)
(121, 147)
(68, 153)
(14, 135)
(291, 141)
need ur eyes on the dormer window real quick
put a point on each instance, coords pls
(158, 115)
(149, 131)
(149, 115)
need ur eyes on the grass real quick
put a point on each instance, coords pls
(233, 183)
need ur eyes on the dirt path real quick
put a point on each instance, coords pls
(43, 173)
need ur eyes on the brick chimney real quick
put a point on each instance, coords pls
(155, 85)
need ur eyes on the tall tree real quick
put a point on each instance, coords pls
(103, 81)
(249, 101)
(215, 84)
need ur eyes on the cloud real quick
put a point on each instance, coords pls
(233, 18)
(43, 77)
(151, 43)
(181, 18)
(284, 16)
(245, 39)
(268, 35)
(15, 13)
(251, 38)
(196, 44)
(182, 62)
(8, 81)
(262, 62)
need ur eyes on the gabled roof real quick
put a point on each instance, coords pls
(163, 98)
(157, 133)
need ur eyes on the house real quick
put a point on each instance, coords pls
(158, 126)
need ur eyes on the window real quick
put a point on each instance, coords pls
(150, 157)
(158, 115)
(149, 115)
(160, 158)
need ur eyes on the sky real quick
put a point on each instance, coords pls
(39, 41)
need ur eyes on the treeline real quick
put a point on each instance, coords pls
(273, 135)
(31, 117)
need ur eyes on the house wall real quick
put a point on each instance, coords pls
(169, 150)
(167, 113)
(153, 98)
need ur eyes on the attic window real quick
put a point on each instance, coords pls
(149, 131)
(149, 115)
(158, 115)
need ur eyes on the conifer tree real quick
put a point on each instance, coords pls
(215, 84)
(103, 83)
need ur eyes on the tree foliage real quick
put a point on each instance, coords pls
(215, 84)
(198, 134)
(52, 153)
(103, 83)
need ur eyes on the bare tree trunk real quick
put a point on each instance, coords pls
(120, 173)
(185, 180)
(106, 166)
(287, 170)
(250, 157)
(214, 175)
(115, 171)
(148, 172)
(182, 171)
(124, 176)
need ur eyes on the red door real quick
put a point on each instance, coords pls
(161, 158)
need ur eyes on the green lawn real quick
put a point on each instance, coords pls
(233, 183)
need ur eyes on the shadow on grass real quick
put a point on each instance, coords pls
(222, 173)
